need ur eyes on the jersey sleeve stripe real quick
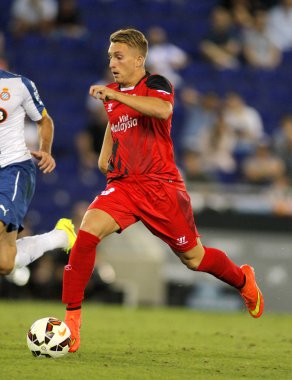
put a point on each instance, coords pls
(165, 92)
(34, 94)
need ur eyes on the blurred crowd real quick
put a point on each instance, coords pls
(219, 138)
(222, 137)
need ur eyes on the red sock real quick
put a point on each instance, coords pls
(79, 269)
(219, 265)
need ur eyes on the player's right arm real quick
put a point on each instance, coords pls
(106, 150)
(147, 105)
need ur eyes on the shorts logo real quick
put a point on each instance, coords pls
(181, 240)
(4, 210)
(5, 95)
(107, 192)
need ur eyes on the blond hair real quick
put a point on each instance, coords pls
(131, 37)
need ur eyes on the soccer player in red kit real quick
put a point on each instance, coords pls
(143, 182)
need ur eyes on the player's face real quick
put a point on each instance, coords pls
(125, 63)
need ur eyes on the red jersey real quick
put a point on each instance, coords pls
(142, 145)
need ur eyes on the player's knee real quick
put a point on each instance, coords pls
(191, 264)
(192, 259)
(87, 226)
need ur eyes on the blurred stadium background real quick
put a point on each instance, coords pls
(252, 222)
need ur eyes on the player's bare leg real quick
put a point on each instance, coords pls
(216, 262)
(7, 250)
(96, 225)
(99, 223)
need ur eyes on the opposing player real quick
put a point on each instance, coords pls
(19, 98)
(143, 182)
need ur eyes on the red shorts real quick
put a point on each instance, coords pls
(161, 207)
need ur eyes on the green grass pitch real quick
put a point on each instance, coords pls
(150, 343)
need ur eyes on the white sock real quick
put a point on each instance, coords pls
(31, 248)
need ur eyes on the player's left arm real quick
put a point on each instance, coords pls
(106, 150)
(46, 134)
(36, 111)
(147, 105)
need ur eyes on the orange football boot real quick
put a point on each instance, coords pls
(251, 293)
(73, 321)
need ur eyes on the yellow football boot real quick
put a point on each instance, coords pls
(67, 226)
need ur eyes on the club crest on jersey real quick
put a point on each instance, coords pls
(5, 94)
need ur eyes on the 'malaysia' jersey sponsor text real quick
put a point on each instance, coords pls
(125, 122)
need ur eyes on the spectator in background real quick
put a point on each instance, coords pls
(217, 146)
(4, 65)
(258, 49)
(279, 195)
(193, 168)
(33, 16)
(280, 25)
(244, 122)
(78, 210)
(240, 11)
(2, 43)
(69, 21)
(89, 141)
(221, 46)
(164, 57)
(283, 142)
(263, 167)
(200, 113)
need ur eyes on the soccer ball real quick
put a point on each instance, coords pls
(49, 337)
